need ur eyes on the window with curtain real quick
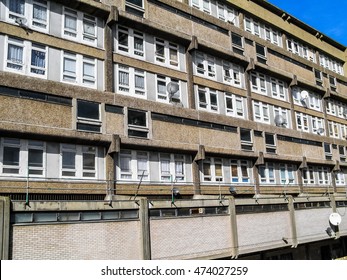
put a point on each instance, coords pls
(89, 71)
(70, 22)
(139, 82)
(15, 54)
(16, 7)
(39, 14)
(38, 60)
(142, 166)
(88, 162)
(165, 167)
(69, 67)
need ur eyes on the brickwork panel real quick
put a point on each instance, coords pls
(82, 241)
(262, 231)
(187, 238)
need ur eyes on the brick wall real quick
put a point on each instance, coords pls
(84, 241)
(186, 238)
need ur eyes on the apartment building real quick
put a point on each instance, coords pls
(193, 100)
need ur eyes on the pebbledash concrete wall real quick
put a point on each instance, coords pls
(82, 241)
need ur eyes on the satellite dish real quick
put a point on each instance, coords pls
(320, 131)
(335, 219)
(280, 120)
(172, 88)
(21, 21)
(304, 95)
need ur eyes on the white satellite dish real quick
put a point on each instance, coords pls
(320, 131)
(172, 88)
(304, 95)
(280, 120)
(21, 21)
(335, 219)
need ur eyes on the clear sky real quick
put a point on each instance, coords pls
(327, 16)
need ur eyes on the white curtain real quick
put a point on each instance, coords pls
(70, 23)
(139, 82)
(39, 13)
(123, 78)
(17, 6)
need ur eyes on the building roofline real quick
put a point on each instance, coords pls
(299, 23)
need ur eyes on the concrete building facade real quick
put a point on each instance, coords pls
(220, 114)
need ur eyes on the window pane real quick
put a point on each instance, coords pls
(87, 110)
(11, 156)
(88, 161)
(69, 159)
(137, 118)
(245, 135)
(17, 6)
(35, 158)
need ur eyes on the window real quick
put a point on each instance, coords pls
(78, 161)
(263, 31)
(237, 42)
(11, 156)
(301, 50)
(207, 99)
(36, 150)
(172, 168)
(261, 112)
(79, 26)
(316, 175)
(203, 5)
(258, 83)
(267, 173)
(309, 123)
(246, 139)
(331, 64)
(318, 77)
(332, 81)
(327, 151)
(232, 74)
(26, 58)
(234, 105)
(33, 12)
(342, 153)
(212, 170)
(240, 171)
(270, 143)
(205, 65)
(134, 165)
(22, 157)
(130, 41)
(287, 176)
(285, 120)
(323, 175)
(137, 124)
(166, 53)
(79, 69)
(131, 81)
(88, 116)
(278, 89)
(333, 129)
(308, 175)
(162, 93)
(135, 7)
(227, 14)
(261, 53)
(340, 179)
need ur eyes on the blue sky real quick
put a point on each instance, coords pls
(327, 16)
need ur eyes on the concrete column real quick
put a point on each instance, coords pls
(145, 228)
(292, 221)
(5, 227)
(233, 224)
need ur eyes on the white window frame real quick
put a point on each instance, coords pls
(130, 50)
(171, 175)
(238, 105)
(213, 177)
(269, 174)
(232, 74)
(79, 34)
(245, 144)
(227, 14)
(284, 113)
(23, 167)
(89, 121)
(241, 165)
(135, 173)
(304, 124)
(310, 175)
(137, 127)
(288, 170)
(166, 57)
(164, 96)
(206, 104)
(131, 89)
(26, 63)
(78, 77)
(278, 89)
(340, 178)
(258, 83)
(205, 65)
(261, 112)
(28, 15)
